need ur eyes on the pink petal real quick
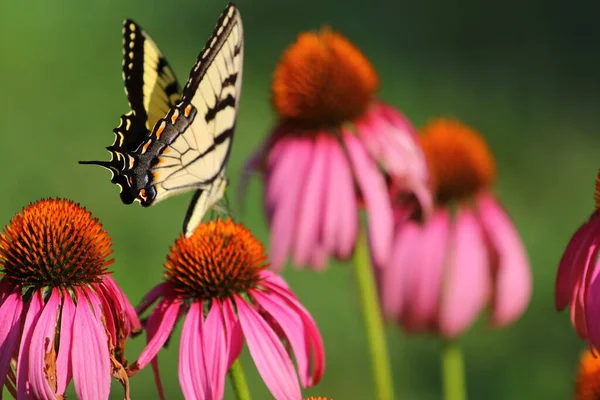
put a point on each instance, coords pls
(270, 357)
(310, 211)
(512, 287)
(160, 325)
(577, 255)
(64, 366)
(374, 190)
(592, 308)
(10, 327)
(42, 343)
(395, 278)
(215, 349)
(426, 272)
(341, 211)
(193, 378)
(285, 204)
(154, 294)
(300, 330)
(90, 355)
(124, 304)
(467, 283)
(31, 318)
(235, 337)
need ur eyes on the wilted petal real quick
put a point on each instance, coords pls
(467, 285)
(90, 355)
(42, 343)
(270, 357)
(374, 191)
(512, 287)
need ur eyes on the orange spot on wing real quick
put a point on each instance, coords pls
(174, 117)
(145, 147)
(187, 111)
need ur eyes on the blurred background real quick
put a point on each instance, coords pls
(523, 73)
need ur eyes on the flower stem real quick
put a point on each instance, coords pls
(238, 381)
(453, 372)
(373, 321)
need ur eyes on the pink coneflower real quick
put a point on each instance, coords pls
(217, 278)
(468, 255)
(577, 283)
(334, 149)
(61, 315)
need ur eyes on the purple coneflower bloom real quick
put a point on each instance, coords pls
(468, 255)
(577, 283)
(335, 148)
(217, 280)
(62, 316)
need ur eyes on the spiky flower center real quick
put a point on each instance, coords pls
(322, 79)
(587, 385)
(54, 243)
(459, 158)
(220, 259)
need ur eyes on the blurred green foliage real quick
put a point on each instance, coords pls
(524, 73)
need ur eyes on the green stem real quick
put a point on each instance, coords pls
(373, 321)
(453, 372)
(238, 381)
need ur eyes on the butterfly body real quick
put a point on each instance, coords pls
(173, 140)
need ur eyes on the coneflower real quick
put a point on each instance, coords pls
(218, 282)
(62, 316)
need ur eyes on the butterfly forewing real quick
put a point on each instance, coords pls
(174, 141)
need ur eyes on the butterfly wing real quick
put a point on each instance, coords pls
(152, 90)
(189, 148)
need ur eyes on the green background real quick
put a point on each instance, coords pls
(524, 73)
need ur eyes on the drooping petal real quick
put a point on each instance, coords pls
(235, 337)
(310, 210)
(286, 197)
(90, 355)
(269, 355)
(10, 326)
(31, 318)
(193, 374)
(64, 366)
(42, 346)
(154, 294)
(512, 286)
(215, 349)
(341, 210)
(374, 191)
(577, 255)
(160, 325)
(592, 308)
(467, 283)
(124, 304)
(300, 330)
(426, 272)
(396, 278)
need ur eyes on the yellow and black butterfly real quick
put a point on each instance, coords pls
(172, 140)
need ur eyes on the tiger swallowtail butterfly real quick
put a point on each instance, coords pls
(174, 140)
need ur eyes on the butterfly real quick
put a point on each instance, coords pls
(173, 140)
